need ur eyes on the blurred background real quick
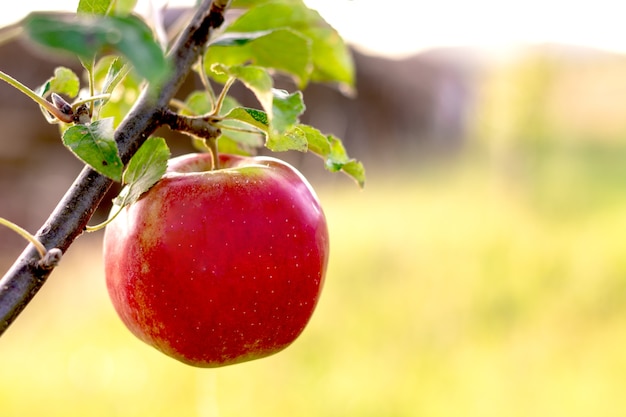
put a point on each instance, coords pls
(481, 272)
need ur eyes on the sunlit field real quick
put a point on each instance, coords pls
(488, 284)
(463, 289)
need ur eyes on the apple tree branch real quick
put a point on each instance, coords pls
(70, 217)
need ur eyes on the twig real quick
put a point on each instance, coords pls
(68, 221)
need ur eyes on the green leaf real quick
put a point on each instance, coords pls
(197, 103)
(234, 138)
(284, 50)
(257, 79)
(249, 3)
(87, 36)
(281, 108)
(331, 58)
(280, 130)
(106, 7)
(286, 110)
(226, 144)
(291, 140)
(123, 7)
(356, 170)
(252, 117)
(100, 7)
(144, 169)
(332, 151)
(114, 75)
(65, 81)
(94, 144)
(238, 39)
(317, 142)
(236, 141)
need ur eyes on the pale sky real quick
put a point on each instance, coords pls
(406, 26)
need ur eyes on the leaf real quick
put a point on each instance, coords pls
(281, 108)
(235, 141)
(292, 140)
(227, 144)
(123, 7)
(283, 49)
(94, 145)
(331, 59)
(286, 110)
(144, 170)
(238, 39)
(332, 151)
(100, 7)
(248, 3)
(356, 170)
(317, 142)
(114, 75)
(65, 81)
(252, 117)
(257, 79)
(87, 36)
(330, 56)
(280, 130)
(197, 103)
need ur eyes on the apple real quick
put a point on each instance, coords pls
(216, 267)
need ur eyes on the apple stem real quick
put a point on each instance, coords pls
(212, 144)
(49, 258)
(204, 127)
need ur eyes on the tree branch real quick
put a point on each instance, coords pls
(200, 126)
(69, 219)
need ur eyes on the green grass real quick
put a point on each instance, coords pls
(475, 290)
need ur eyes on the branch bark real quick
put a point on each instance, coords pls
(69, 219)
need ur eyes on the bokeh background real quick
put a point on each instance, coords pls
(481, 272)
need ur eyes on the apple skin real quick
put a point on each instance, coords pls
(219, 267)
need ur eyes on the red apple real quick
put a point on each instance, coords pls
(216, 267)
